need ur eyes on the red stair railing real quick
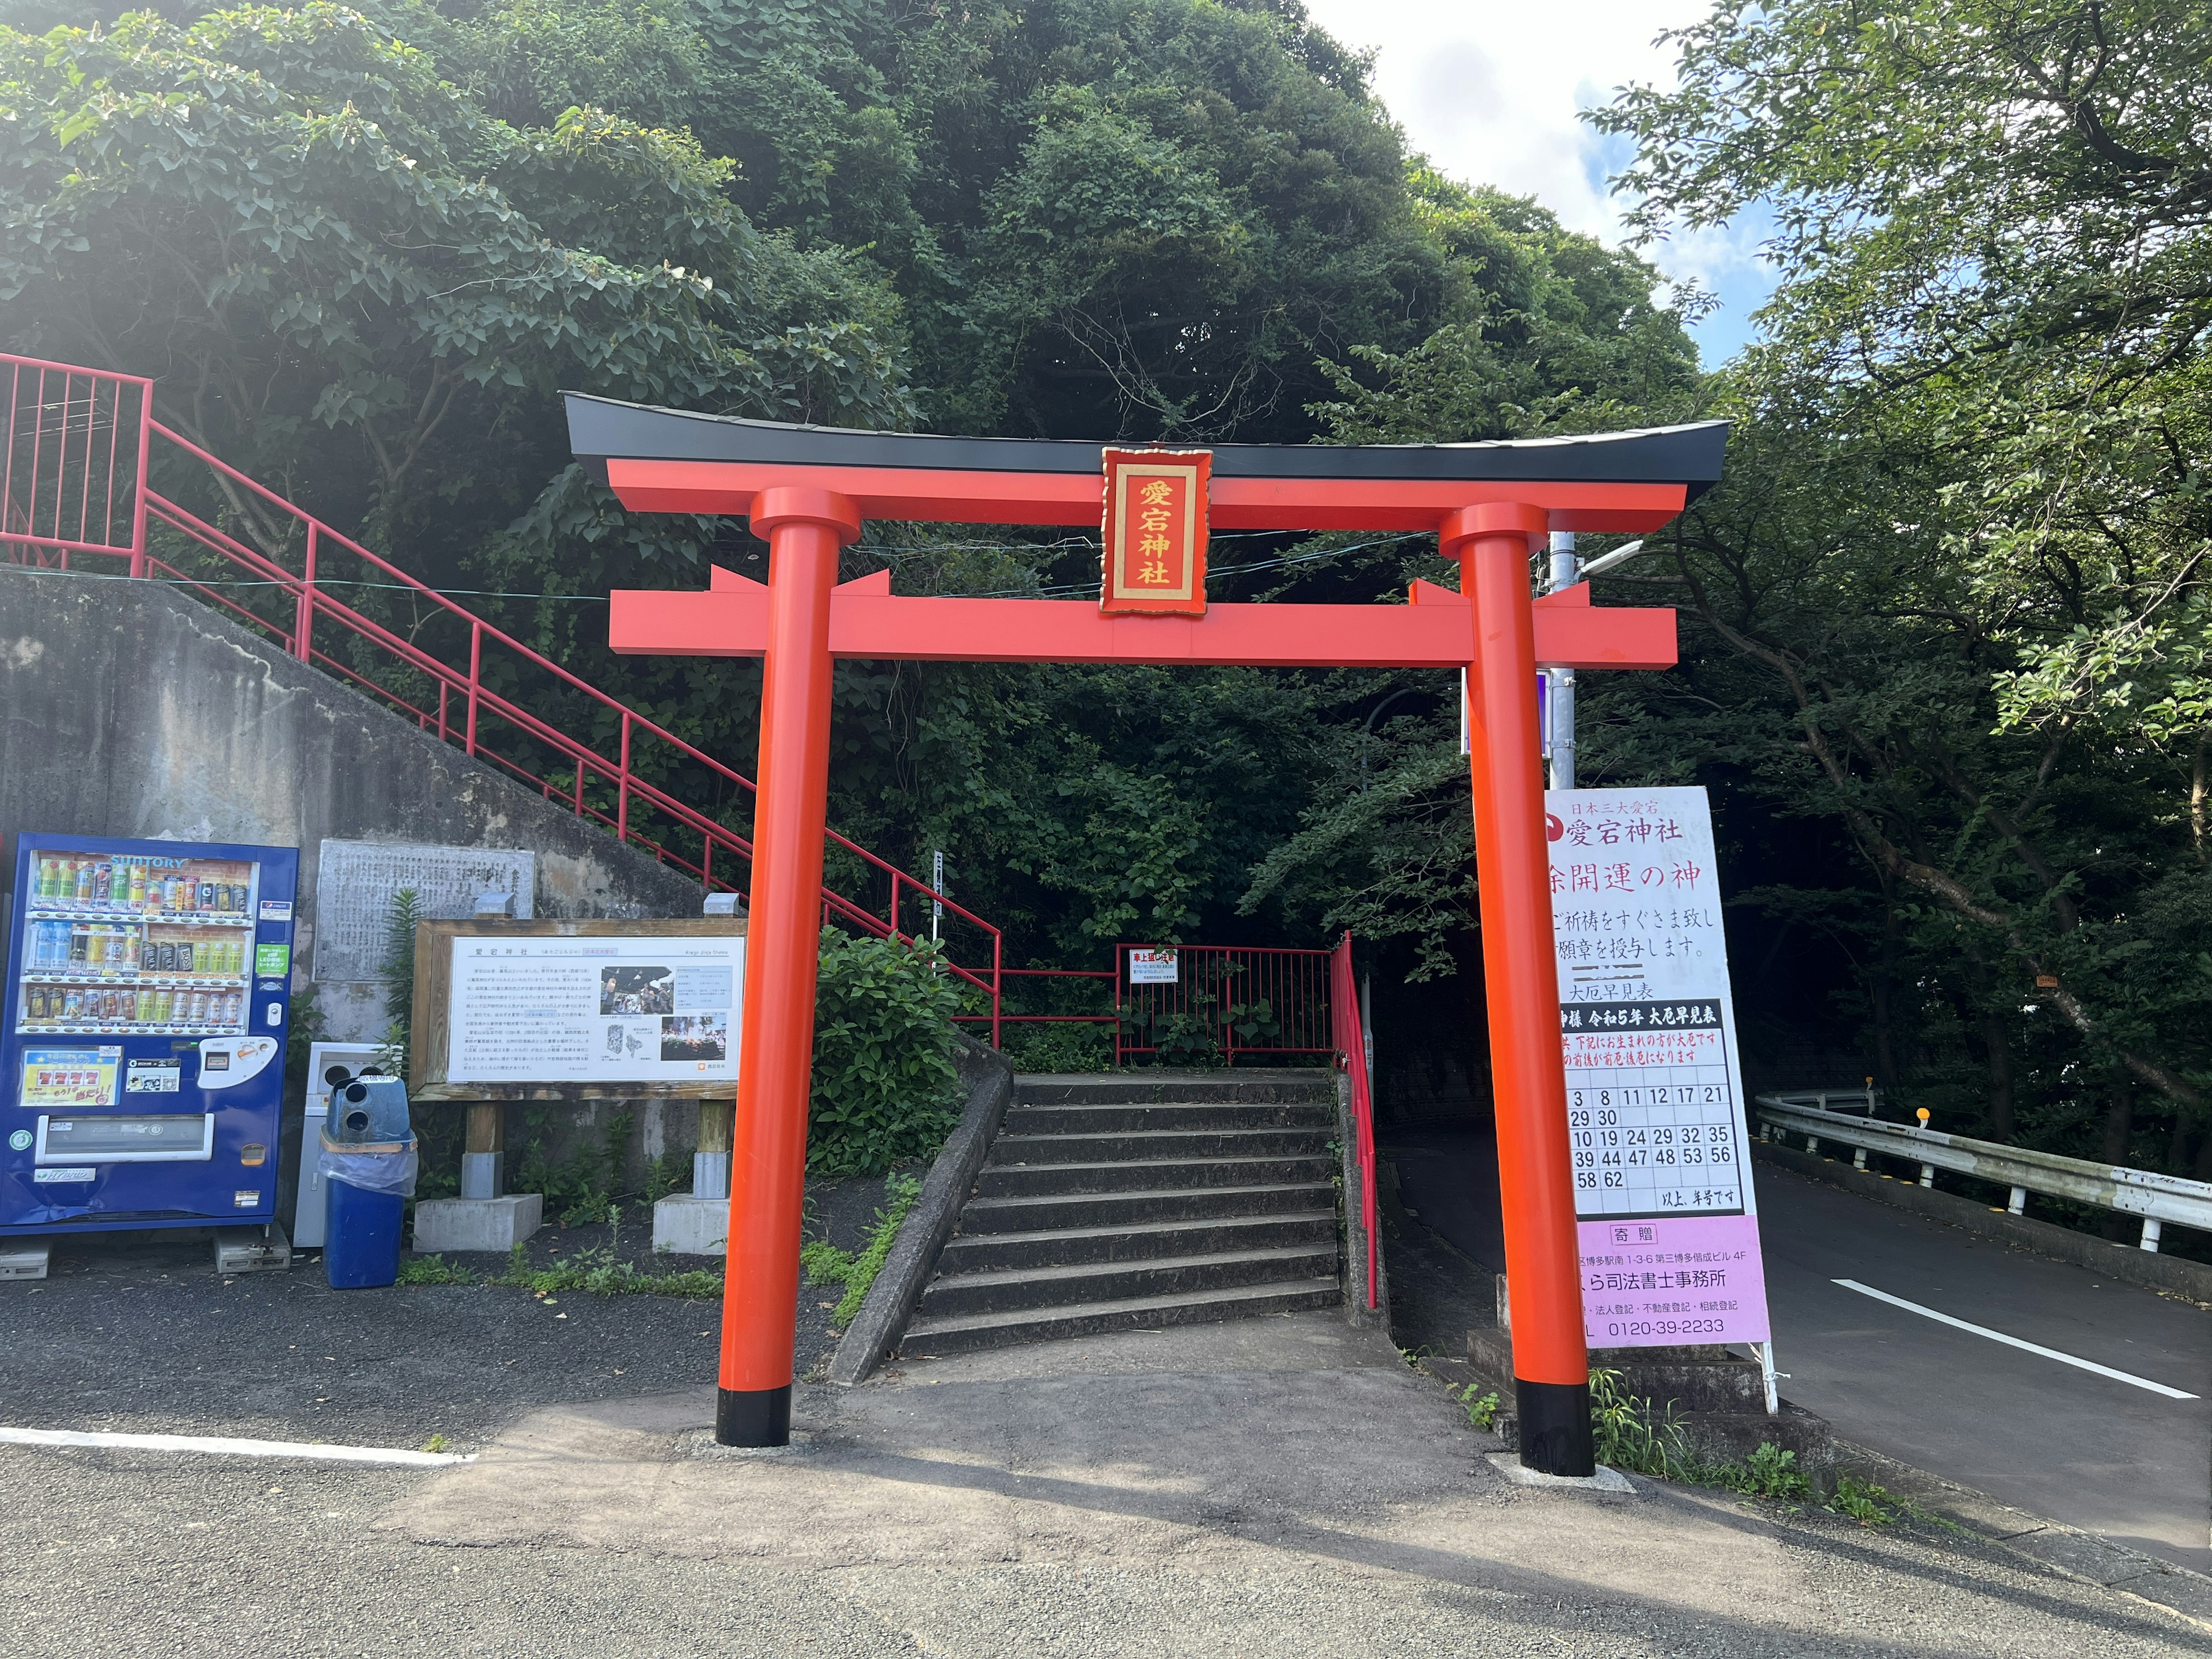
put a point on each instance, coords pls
(1351, 1055)
(75, 483)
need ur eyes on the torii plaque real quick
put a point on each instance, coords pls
(806, 489)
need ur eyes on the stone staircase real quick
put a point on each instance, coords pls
(1115, 1204)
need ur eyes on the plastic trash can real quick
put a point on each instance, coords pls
(361, 1245)
(369, 1163)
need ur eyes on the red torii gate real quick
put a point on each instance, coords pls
(806, 489)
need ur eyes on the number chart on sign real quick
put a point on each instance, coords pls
(1651, 1109)
(1655, 1091)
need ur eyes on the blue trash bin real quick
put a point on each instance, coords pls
(368, 1164)
(360, 1247)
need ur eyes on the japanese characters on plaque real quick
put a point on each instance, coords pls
(1655, 1124)
(1155, 532)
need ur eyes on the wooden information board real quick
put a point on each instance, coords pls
(549, 1010)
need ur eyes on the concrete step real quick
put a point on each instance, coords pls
(1002, 1291)
(1147, 1146)
(1139, 1174)
(931, 1337)
(1143, 1117)
(1142, 1241)
(1210, 1088)
(1059, 1212)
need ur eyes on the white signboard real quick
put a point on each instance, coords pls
(357, 880)
(1152, 968)
(1655, 1091)
(626, 1009)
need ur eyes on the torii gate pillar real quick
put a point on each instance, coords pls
(1551, 1365)
(804, 529)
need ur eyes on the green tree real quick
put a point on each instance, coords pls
(1952, 602)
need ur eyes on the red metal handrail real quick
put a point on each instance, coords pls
(1351, 1055)
(63, 472)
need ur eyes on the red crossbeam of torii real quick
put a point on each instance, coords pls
(807, 489)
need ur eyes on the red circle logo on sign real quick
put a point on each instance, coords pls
(1552, 828)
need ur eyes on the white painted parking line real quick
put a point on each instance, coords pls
(224, 1447)
(2013, 1341)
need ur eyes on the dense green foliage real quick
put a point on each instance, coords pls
(1949, 622)
(884, 1086)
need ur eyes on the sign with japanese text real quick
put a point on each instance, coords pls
(1155, 532)
(62, 1079)
(1152, 968)
(1666, 1210)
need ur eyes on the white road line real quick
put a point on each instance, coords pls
(219, 1444)
(2013, 1341)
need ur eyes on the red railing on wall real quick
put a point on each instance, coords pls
(1351, 1055)
(1226, 1000)
(75, 486)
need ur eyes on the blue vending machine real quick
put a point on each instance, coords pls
(149, 998)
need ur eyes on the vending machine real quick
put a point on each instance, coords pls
(149, 998)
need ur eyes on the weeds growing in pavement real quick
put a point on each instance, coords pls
(1481, 1408)
(434, 1270)
(1630, 1435)
(826, 1264)
(1627, 1434)
(1864, 1502)
(600, 1269)
(1770, 1472)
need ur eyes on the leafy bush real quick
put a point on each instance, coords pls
(884, 1085)
(1062, 1048)
(579, 1186)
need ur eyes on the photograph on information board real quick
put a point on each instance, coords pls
(1663, 1201)
(593, 1009)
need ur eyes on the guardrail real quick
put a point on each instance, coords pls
(2156, 1199)
(1861, 1101)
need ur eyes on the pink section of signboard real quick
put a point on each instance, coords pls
(1669, 1279)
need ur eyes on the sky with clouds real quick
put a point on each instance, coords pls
(1491, 93)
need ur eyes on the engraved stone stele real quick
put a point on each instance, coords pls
(356, 882)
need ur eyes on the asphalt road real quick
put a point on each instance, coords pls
(2106, 1455)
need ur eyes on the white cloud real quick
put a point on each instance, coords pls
(1492, 94)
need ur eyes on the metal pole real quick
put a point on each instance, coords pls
(767, 1165)
(476, 676)
(1565, 573)
(1551, 1362)
(937, 885)
(138, 507)
(303, 613)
